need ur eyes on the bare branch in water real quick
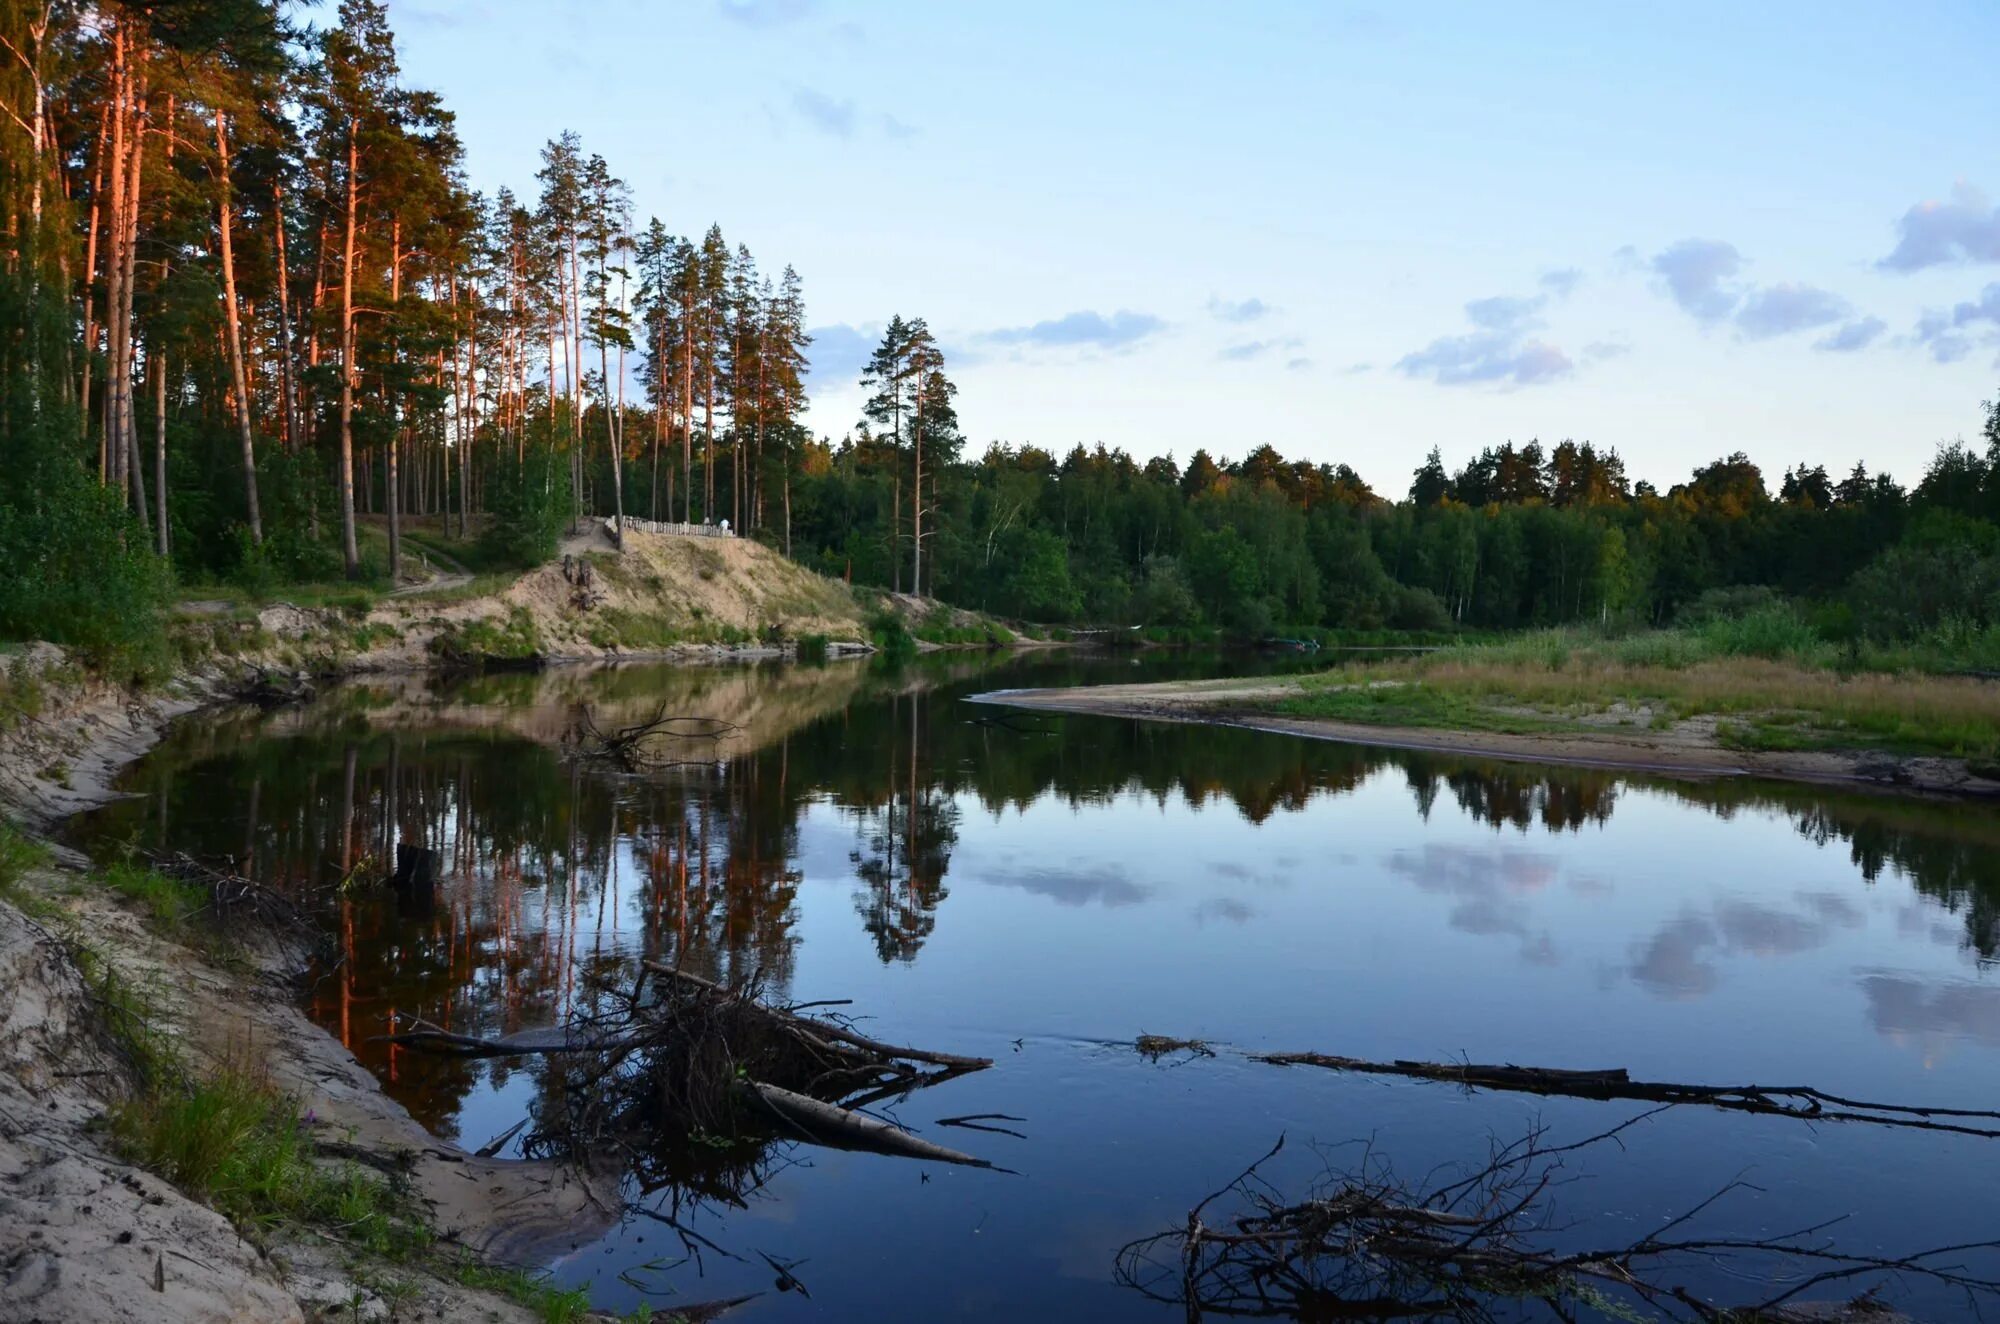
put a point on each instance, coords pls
(1485, 1244)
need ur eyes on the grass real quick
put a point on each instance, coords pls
(18, 854)
(1772, 682)
(233, 1141)
(614, 627)
(169, 901)
(1405, 704)
(511, 638)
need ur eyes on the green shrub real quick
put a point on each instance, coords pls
(1775, 632)
(891, 637)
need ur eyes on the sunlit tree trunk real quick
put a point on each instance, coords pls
(234, 322)
(350, 550)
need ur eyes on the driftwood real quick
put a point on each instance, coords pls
(689, 1058)
(1486, 1245)
(1802, 1102)
(842, 1128)
(828, 1033)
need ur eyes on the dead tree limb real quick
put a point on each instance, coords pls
(1485, 1245)
(1802, 1102)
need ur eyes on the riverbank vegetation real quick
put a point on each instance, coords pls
(1764, 674)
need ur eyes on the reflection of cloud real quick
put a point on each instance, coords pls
(1670, 963)
(1677, 962)
(1106, 884)
(1762, 931)
(1899, 1006)
(1223, 907)
(1465, 870)
(1489, 887)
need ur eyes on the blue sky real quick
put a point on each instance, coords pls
(1352, 232)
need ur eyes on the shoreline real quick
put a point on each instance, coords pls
(1690, 753)
(102, 1234)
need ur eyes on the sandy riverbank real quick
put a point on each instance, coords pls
(1692, 747)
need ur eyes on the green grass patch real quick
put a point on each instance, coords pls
(169, 901)
(510, 638)
(234, 1142)
(1411, 704)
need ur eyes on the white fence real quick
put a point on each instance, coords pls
(672, 530)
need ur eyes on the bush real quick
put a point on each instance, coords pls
(1417, 609)
(78, 570)
(1771, 632)
(1917, 586)
(891, 637)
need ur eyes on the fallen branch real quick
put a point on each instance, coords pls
(1484, 1246)
(841, 1128)
(1801, 1102)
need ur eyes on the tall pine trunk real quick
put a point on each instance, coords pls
(236, 372)
(350, 551)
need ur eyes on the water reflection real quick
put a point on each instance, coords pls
(556, 876)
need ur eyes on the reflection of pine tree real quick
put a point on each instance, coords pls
(904, 850)
(1500, 796)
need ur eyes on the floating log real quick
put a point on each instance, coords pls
(1802, 1102)
(840, 1128)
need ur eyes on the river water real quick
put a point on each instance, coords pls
(1043, 889)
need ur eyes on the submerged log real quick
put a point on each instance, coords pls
(831, 1125)
(524, 1043)
(1797, 1101)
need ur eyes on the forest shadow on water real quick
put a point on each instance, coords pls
(1044, 889)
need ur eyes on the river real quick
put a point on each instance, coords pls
(1042, 889)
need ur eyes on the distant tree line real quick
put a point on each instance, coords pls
(1517, 536)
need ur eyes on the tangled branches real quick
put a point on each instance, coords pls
(690, 1084)
(643, 745)
(1365, 1245)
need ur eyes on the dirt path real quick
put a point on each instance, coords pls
(453, 575)
(1691, 747)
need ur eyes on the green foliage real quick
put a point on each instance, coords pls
(530, 506)
(485, 640)
(78, 571)
(1921, 586)
(811, 648)
(18, 854)
(891, 637)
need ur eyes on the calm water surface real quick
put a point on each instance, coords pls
(1042, 889)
